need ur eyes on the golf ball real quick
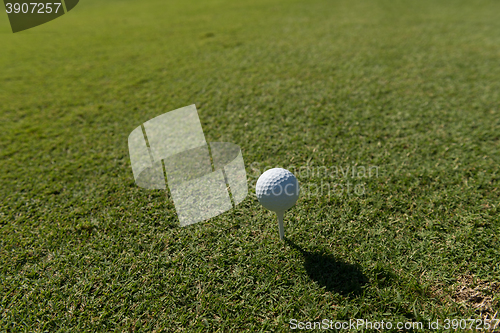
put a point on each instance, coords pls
(277, 189)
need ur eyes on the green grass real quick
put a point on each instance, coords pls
(409, 87)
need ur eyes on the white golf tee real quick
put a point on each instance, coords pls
(280, 222)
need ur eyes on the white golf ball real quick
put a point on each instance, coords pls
(277, 189)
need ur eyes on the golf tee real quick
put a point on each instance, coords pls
(280, 222)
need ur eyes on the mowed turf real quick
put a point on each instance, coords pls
(409, 89)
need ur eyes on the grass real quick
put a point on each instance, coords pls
(410, 88)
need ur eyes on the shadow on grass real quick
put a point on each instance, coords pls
(332, 273)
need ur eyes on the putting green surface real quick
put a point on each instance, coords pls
(387, 111)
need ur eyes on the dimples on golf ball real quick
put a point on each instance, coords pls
(277, 189)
